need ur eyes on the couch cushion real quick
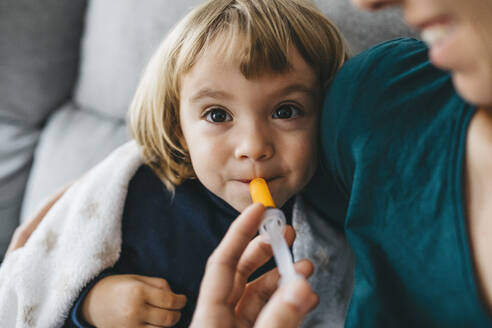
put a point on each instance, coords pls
(16, 148)
(119, 41)
(364, 29)
(117, 44)
(74, 140)
(39, 47)
(39, 55)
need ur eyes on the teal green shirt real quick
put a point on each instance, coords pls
(393, 136)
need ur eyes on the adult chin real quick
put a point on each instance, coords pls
(475, 89)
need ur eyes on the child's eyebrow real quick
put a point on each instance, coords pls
(298, 87)
(209, 93)
(218, 94)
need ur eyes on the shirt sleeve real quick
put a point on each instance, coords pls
(356, 108)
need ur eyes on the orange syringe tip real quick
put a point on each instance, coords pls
(258, 189)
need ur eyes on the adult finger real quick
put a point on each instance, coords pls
(259, 291)
(161, 317)
(288, 306)
(217, 283)
(257, 253)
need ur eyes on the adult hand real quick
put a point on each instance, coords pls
(226, 300)
(132, 301)
(24, 231)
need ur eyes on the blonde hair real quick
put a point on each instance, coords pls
(258, 32)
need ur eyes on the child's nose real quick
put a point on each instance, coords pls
(254, 144)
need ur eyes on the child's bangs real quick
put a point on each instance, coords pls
(254, 39)
(255, 54)
(249, 34)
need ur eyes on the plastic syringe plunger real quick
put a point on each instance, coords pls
(272, 229)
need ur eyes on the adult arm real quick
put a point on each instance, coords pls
(24, 231)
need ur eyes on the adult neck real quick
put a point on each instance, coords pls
(479, 143)
(478, 197)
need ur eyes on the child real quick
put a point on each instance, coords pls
(232, 93)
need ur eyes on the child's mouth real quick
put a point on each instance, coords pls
(247, 181)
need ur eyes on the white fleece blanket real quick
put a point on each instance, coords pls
(81, 236)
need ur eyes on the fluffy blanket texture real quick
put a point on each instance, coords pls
(81, 236)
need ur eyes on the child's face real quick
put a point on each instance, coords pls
(238, 129)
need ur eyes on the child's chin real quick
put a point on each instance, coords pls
(240, 206)
(238, 201)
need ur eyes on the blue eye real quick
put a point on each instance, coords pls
(217, 115)
(287, 112)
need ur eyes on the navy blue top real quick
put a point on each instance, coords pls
(393, 134)
(170, 237)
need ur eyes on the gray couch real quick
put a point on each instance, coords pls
(68, 70)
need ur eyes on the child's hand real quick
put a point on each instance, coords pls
(132, 301)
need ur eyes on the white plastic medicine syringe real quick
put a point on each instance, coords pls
(272, 229)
